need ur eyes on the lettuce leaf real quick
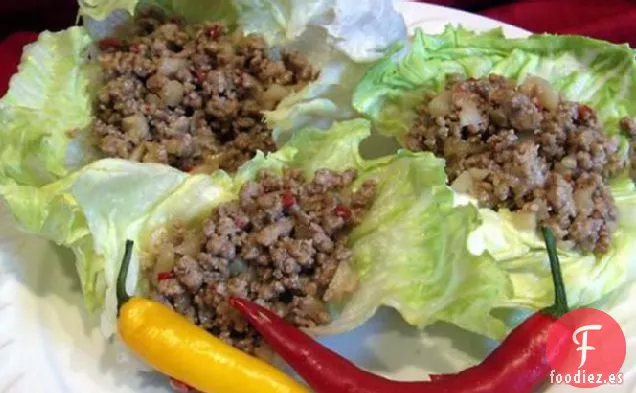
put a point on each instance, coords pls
(94, 210)
(102, 17)
(339, 37)
(46, 101)
(591, 71)
(46, 113)
(194, 10)
(594, 72)
(344, 25)
(100, 9)
(588, 278)
(409, 252)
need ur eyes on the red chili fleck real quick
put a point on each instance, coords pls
(458, 90)
(215, 31)
(288, 199)
(108, 43)
(180, 387)
(343, 212)
(165, 276)
(201, 76)
(585, 111)
(134, 48)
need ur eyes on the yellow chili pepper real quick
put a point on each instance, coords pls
(174, 346)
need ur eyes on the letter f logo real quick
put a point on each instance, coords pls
(583, 345)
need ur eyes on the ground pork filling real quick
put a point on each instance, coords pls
(279, 245)
(190, 96)
(525, 149)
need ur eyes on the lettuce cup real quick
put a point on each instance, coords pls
(195, 86)
(534, 132)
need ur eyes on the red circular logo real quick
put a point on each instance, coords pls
(586, 348)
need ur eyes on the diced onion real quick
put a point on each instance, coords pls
(172, 93)
(541, 88)
(583, 199)
(169, 66)
(465, 182)
(136, 127)
(344, 281)
(190, 245)
(524, 220)
(137, 153)
(440, 106)
(273, 95)
(469, 114)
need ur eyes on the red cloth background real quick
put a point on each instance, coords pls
(612, 20)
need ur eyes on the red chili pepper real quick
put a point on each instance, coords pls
(165, 276)
(108, 43)
(288, 199)
(343, 212)
(520, 364)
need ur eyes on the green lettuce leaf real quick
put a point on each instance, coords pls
(346, 40)
(194, 10)
(103, 17)
(47, 110)
(339, 37)
(347, 26)
(591, 71)
(409, 252)
(100, 9)
(588, 278)
(46, 101)
(594, 72)
(94, 210)
(337, 149)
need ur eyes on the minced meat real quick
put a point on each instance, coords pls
(279, 244)
(525, 149)
(191, 96)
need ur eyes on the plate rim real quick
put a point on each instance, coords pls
(454, 16)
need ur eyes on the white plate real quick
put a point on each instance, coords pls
(48, 344)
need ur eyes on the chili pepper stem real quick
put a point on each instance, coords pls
(122, 295)
(560, 306)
